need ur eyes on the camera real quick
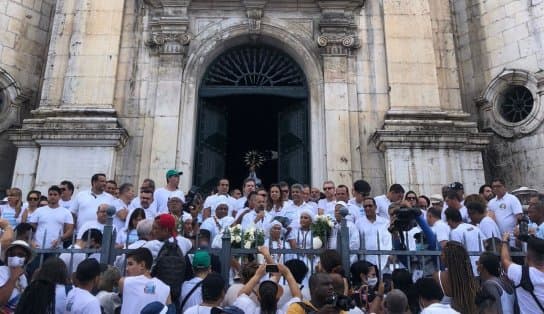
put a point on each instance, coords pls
(190, 198)
(523, 228)
(405, 218)
(341, 302)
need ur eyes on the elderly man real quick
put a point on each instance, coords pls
(220, 220)
(326, 205)
(98, 223)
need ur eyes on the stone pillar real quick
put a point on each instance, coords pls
(424, 145)
(24, 173)
(168, 40)
(337, 40)
(75, 127)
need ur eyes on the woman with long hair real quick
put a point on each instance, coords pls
(274, 201)
(47, 292)
(129, 235)
(12, 209)
(457, 281)
(33, 199)
(411, 197)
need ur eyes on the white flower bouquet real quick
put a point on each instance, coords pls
(321, 230)
(253, 238)
(236, 236)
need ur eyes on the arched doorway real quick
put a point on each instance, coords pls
(252, 97)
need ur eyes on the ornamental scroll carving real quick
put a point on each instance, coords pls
(338, 28)
(168, 26)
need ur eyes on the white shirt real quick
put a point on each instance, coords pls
(81, 301)
(94, 224)
(66, 204)
(382, 206)
(8, 213)
(505, 210)
(489, 228)
(161, 197)
(526, 302)
(139, 291)
(293, 213)
(354, 238)
(195, 298)
(60, 299)
(155, 245)
(464, 214)
(85, 205)
(50, 224)
(439, 308)
(119, 205)
(216, 226)
(19, 287)
(327, 206)
(248, 221)
(250, 307)
(369, 232)
(198, 309)
(441, 230)
(240, 203)
(212, 201)
(472, 238)
(150, 212)
(75, 259)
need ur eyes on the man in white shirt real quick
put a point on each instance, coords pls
(306, 196)
(486, 192)
(470, 236)
(353, 232)
(122, 204)
(54, 224)
(478, 217)
(91, 239)
(361, 189)
(536, 215)
(145, 202)
(219, 221)
(139, 288)
(86, 202)
(148, 185)
(222, 195)
(80, 300)
(162, 195)
(213, 292)
(111, 188)
(342, 195)
(191, 290)
(247, 187)
(371, 226)
(67, 189)
(395, 195)
(535, 262)
(507, 207)
(439, 227)
(454, 201)
(292, 212)
(284, 188)
(98, 223)
(326, 206)
(430, 297)
(256, 217)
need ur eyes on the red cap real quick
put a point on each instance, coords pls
(167, 221)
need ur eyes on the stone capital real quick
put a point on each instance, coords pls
(338, 28)
(254, 12)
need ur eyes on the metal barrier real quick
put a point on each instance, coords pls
(108, 252)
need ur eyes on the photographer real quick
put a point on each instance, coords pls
(528, 279)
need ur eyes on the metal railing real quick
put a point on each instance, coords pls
(108, 252)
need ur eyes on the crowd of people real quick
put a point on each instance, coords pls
(168, 266)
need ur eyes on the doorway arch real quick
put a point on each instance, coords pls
(252, 98)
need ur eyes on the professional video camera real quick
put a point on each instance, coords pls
(405, 218)
(190, 198)
(523, 228)
(341, 302)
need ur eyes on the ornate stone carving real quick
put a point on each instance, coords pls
(337, 27)
(254, 12)
(168, 26)
(13, 98)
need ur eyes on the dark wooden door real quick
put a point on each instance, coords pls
(293, 159)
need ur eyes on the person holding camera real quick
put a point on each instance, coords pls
(529, 278)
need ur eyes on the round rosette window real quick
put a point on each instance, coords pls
(515, 104)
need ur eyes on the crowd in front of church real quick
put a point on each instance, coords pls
(169, 267)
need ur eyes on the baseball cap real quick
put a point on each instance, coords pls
(201, 259)
(22, 244)
(167, 221)
(457, 186)
(173, 172)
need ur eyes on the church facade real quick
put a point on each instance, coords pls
(416, 92)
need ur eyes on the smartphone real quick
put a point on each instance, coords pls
(272, 268)
(387, 282)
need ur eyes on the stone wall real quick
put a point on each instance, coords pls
(492, 36)
(24, 35)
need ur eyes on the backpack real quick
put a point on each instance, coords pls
(307, 309)
(526, 284)
(170, 268)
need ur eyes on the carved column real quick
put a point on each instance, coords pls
(169, 39)
(337, 41)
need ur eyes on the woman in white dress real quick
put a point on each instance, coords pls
(275, 240)
(301, 238)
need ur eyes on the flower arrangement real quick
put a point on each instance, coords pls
(236, 236)
(253, 238)
(254, 159)
(321, 229)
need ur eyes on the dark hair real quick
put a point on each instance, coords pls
(331, 261)
(358, 268)
(33, 192)
(314, 280)
(93, 234)
(135, 213)
(213, 287)
(283, 184)
(53, 270)
(68, 184)
(491, 262)
(54, 188)
(396, 188)
(343, 186)
(112, 182)
(248, 271)
(402, 280)
(452, 195)
(370, 198)
(125, 187)
(428, 289)
(475, 207)
(142, 255)
(38, 297)
(24, 227)
(500, 180)
(435, 212)
(410, 192)
(246, 180)
(267, 297)
(151, 184)
(482, 188)
(298, 268)
(453, 215)
(486, 301)
(219, 181)
(426, 199)
(95, 177)
(362, 187)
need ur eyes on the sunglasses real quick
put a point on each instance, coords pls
(411, 198)
(33, 199)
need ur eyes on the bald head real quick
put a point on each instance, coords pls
(396, 302)
(102, 213)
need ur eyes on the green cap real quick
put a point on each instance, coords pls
(201, 259)
(172, 172)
